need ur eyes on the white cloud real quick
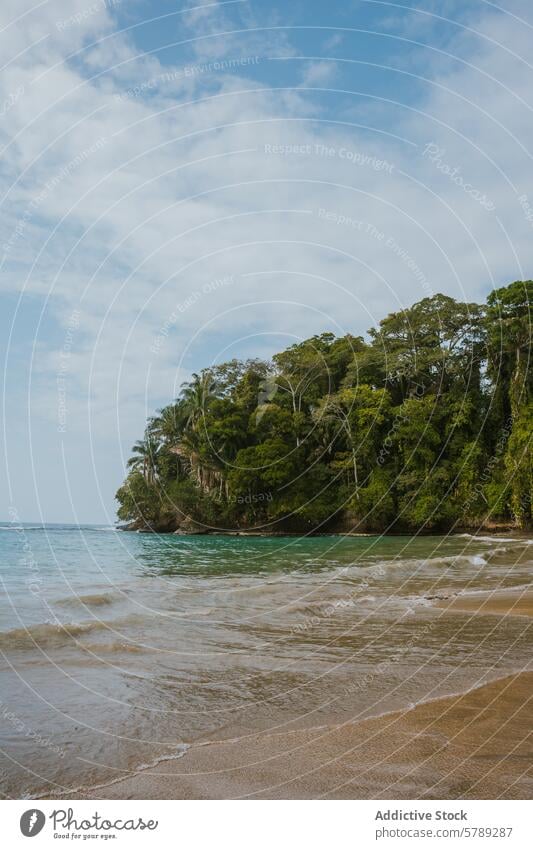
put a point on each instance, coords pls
(321, 224)
(318, 73)
(333, 41)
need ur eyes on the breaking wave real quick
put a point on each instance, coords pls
(91, 600)
(47, 635)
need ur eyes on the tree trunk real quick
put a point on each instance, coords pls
(356, 479)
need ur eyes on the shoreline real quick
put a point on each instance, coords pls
(470, 745)
(504, 602)
(473, 532)
(474, 744)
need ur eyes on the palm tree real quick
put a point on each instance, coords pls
(169, 423)
(197, 395)
(144, 458)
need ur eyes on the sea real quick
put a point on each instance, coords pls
(120, 650)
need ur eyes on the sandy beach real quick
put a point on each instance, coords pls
(477, 744)
(499, 602)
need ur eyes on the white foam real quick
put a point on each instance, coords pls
(496, 539)
(173, 756)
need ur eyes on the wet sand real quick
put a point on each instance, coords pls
(499, 602)
(478, 745)
(474, 745)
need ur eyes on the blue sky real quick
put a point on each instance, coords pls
(184, 184)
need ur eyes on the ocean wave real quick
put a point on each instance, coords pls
(179, 751)
(47, 635)
(418, 600)
(90, 600)
(472, 559)
(509, 550)
(478, 538)
(198, 611)
(372, 571)
(114, 648)
(419, 562)
(497, 590)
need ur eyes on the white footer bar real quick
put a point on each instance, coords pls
(268, 824)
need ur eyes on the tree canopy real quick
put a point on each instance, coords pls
(425, 425)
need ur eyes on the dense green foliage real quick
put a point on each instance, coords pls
(424, 425)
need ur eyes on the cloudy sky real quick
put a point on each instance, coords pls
(185, 184)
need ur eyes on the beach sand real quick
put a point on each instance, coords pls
(500, 602)
(475, 745)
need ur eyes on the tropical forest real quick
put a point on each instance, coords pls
(424, 425)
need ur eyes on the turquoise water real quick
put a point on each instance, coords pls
(119, 650)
